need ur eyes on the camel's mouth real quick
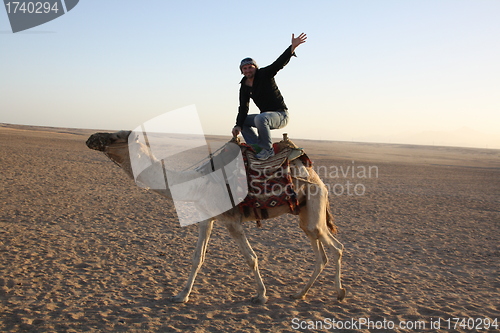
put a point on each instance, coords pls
(100, 141)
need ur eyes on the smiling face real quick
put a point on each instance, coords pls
(248, 71)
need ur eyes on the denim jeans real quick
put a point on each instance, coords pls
(264, 122)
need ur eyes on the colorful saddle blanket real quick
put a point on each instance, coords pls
(269, 182)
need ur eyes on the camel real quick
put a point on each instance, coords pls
(315, 218)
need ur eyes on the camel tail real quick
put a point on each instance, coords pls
(330, 221)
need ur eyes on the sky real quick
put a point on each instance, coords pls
(392, 71)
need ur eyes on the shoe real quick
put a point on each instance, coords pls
(265, 154)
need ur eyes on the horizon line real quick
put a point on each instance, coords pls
(2, 124)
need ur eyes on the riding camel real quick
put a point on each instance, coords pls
(314, 214)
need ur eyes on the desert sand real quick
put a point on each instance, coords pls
(83, 249)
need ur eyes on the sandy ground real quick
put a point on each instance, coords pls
(83, 249)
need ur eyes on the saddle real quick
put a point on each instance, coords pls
(269, 182)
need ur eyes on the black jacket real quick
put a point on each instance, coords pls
(264, 92)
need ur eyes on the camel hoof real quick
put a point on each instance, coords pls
(259, 299)
(297, 296)
(341, 294)
(179, 299)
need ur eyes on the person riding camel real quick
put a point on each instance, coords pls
(259, 85)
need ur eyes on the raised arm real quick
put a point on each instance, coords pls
(283, 59)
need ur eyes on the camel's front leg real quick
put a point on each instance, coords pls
(205, 229)
(237, 232)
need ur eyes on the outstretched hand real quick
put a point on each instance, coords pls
(296, 41)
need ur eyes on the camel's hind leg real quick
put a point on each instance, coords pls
(238, 233)
(331, 242)
(313, 221)
(204, 229)
(320, 263)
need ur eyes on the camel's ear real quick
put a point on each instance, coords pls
(112, 138)
(122, 135)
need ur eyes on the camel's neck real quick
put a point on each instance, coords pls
(121, 156)
(151, 173)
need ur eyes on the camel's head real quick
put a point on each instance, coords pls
(102, 141)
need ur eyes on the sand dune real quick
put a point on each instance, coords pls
(83, 249)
